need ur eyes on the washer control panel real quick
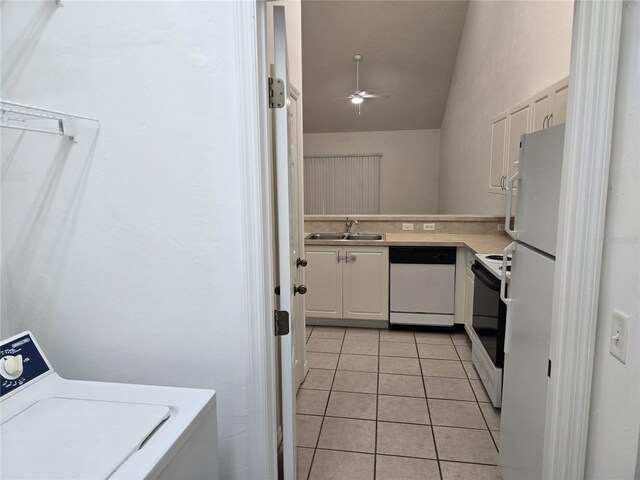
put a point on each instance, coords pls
(21, 361)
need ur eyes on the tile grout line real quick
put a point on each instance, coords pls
(325, 411)
(426, 400)
(493, 440)
(396, 421)
(408, 456)
(478, 401)
(378, 376)
(375, 443)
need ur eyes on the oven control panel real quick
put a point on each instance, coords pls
(21, 361)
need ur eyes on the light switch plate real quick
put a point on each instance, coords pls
(428, 226)
(407, 226)
(619, 335)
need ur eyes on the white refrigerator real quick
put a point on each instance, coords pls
(529, 303)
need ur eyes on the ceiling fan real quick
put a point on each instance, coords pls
(358, 96)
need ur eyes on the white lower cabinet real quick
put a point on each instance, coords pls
(323, 277)
(348, 282)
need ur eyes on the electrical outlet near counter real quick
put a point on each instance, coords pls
(428, 226)
(407, 226)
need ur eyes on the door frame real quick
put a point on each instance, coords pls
(594, 60)
(257, 231)
(583, 198)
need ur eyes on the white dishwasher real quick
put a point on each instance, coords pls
(421, 285)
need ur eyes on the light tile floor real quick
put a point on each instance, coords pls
(394, 405)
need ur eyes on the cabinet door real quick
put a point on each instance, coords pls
(540, 109)
(324, 281)
(518, 125)
(558, 113)
(468, 300)
(498, 153)
(366, 283)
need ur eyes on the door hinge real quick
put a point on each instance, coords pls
(276, 93)
(281, 320)
(549, 369)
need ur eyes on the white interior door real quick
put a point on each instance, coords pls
(287, 253)
(296, 231)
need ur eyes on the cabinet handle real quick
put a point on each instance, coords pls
(301, 262)
(352, 258)
(339, 258)
(546, 117)
(549, 123)
(300, 289)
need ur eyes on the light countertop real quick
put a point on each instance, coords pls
(477, 243)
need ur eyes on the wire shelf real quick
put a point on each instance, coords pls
(15, 116)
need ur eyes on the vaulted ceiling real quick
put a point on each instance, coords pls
(409, 50)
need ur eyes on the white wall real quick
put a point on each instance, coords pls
(123, 253)
(615, 405)
(408, 169)
(509, 51)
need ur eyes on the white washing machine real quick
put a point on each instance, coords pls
(53, 428)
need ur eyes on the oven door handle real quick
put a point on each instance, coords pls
(489, 280)
(503, 296)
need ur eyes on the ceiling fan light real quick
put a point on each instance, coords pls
(357, 100)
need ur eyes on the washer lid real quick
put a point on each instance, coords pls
(67, 438)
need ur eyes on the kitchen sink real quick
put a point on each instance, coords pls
(345, 236)
(326, 236)
(365, 236)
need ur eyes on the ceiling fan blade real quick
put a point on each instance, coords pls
(375, 95)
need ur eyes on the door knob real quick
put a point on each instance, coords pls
(301, 289)
(301, 262)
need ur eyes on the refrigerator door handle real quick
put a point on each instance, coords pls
(503, 296)
(507, 219)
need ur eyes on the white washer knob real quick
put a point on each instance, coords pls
(12, 366)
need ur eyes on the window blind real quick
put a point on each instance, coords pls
(342, 184)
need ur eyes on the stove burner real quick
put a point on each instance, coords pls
(494, 257)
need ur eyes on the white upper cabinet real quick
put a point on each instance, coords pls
(558, 113)
(549, 107)
(506, 130)
(518, 125)
(543, 110)
(540, 107)
(498, 153)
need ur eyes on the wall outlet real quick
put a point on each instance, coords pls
(619, 335)
(501, 227)
(407, 226)
(428, 226)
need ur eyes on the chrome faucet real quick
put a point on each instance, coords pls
(348, 224)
